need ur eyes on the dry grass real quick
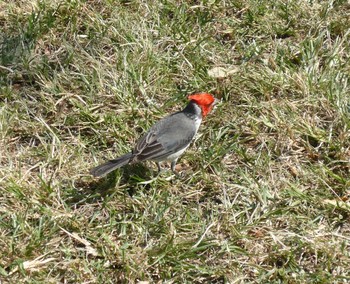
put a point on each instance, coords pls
(266, 194)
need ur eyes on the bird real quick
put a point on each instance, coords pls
(167, 139)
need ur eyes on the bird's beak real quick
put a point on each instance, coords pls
(216, 103)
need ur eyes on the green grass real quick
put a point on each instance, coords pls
(265, 197)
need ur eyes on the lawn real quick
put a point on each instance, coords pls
(265, 191)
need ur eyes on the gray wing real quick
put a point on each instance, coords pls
(167, 136)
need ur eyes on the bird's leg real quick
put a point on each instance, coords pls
(159, 168)
(173, 164)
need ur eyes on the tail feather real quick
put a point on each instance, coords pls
(111, 165)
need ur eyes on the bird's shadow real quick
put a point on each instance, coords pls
(127, 179)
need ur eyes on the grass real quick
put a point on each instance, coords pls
(265, 198)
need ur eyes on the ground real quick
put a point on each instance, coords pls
(265, 192)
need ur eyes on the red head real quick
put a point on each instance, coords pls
(204, 100)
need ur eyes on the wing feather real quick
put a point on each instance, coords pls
(164, 139)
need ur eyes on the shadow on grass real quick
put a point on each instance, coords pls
(126, 179)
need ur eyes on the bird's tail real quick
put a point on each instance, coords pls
(111, 165)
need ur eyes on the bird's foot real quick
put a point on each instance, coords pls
(179, 174)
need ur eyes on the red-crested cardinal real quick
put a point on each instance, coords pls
(167, 139)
